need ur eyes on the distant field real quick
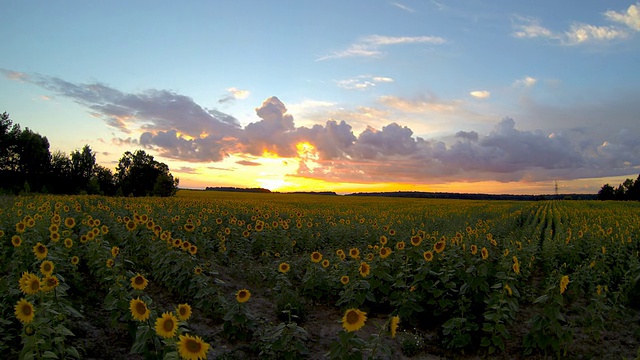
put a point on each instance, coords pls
(88, 276)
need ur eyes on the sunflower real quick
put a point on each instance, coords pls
(393, 326)
(353, 319)
(30, 283)
(16, 240)
(400, 245)
(243, 295)
(564, 282)
(139, 310)
(364, 269)
(75, 260)
(166, 325)
(485, 253)
(508, 289)
(428, 255)
(193, 249)
(416, 240)
(69, 222)
(385, 252)
(184, 312)
(46, 267)
(40, 251)
(197, 270)
(139, 282)
(439, 246)
(505, 253)
(185, 245)
(325, 263)
(49, 283)
(474, 249)
(20, 227)
(68, 243)
(130, 225)
(383, 240)
(54, 236)
(115, 251)
(24, 311)
(344, 280)
(284, 267)
(192, 347)
(316, 257)
(177, 243)
(110, 263)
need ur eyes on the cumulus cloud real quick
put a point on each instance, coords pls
(369, 46)
(234, 94)
(526, 81)
(631, 17)
(174, 126)
(480, 94)
(362, 82)
(579, 33)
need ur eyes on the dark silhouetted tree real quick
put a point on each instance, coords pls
(82, 168)
(138, 174)
(607, 192)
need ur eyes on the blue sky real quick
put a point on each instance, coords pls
(491, 96)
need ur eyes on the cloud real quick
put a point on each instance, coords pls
(631, 18)
(578, 33)
(248, 163)
(369, 46)
(175, 127)
(526, 81)
(403, 7)
(362, 82)
(15, 75)
(185, 170)
(480, 94)
(234, 94)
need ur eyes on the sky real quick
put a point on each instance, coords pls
(503, 97)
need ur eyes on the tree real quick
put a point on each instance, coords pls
(60, 174)
(138, 174)
(606, 193)
(104, 179)
(82, 165)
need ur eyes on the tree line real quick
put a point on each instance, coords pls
(628, 190)
(27, 165)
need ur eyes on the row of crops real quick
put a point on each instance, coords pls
(160, 268)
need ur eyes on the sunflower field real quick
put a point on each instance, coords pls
(285, 276)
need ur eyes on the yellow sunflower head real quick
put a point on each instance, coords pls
(16, 240)
(139, 282)
(30, 284)
(46, 267)
(474, 249)
(49, 283)
(416, 240)
(400, 245)
(316, 257)
(24, 311)
(428, 255)
(40, 251)
(485, 253)
(192, 347)
(344, 280)
(325, 263)
(166, 325)
(354, 253)
(115, 251)
(564, 282)
(139, 310)
(439, 246)
(353, 319)
(184, 312)
(243, 295)
(75, 260)
(68, 243)
(284, 267)
(393, 326)
(364, 269)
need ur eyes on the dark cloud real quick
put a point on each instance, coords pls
(248, 163)
(176, 127)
